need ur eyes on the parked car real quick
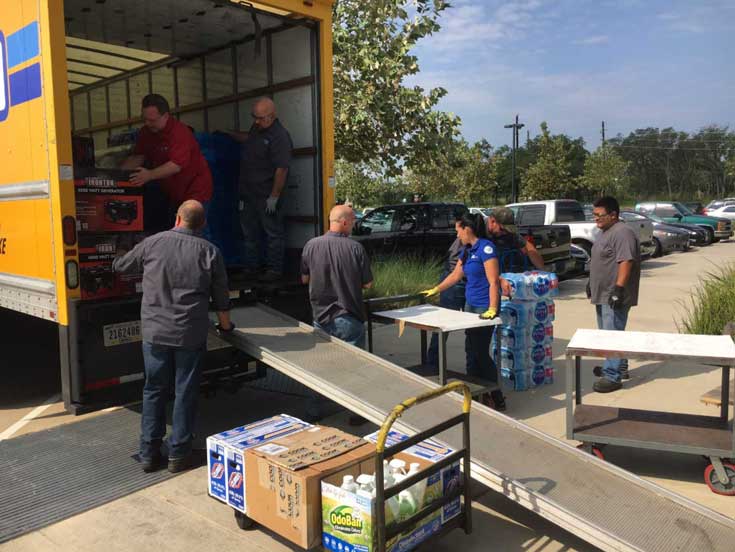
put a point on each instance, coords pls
(695, 207)
(427, 230)
(717, 203)
(667, 238)
(484, 211)
(673, 211)
(697, 235)
(570, 212)
(725, 211)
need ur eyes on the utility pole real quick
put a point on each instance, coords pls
(603, 133)
(513, 188)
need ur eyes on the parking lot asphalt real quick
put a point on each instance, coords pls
(178, 514)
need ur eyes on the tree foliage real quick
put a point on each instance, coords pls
(671, 164)
(377, 117)
(549, 176)
(606, 173)
(365, 185)
(464, 172)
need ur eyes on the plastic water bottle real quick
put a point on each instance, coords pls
(419, 489)
(348, 484)
(521, 380)
(540, 312)
(538, 334)
(514, 314)
(538, 353)
(548, 370)
(367, 485)
(538, 374)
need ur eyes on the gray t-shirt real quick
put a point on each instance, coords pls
(181, 271)
(263, 152)
(616, 244)
(337, 267)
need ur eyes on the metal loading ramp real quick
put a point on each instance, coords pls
(601, 503)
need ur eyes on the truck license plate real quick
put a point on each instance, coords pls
(119, 334)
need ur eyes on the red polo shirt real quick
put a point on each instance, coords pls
(176, 143)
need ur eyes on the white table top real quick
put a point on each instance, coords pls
(430, 316)
(711, 349)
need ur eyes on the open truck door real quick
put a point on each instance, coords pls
(76, 71)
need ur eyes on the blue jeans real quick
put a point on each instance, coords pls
(162, 365)
(452, 298)
(347, 328)
(265, 235)
(477, 342)
(612, 319)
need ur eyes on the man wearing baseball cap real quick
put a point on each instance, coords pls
(514, 251)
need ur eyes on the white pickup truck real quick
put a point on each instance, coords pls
(569, 212)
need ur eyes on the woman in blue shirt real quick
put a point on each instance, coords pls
(479, 264)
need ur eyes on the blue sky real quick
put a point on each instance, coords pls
(575, 63)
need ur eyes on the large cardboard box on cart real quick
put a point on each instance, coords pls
(283, 478)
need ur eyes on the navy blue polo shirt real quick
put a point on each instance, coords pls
(477, 290)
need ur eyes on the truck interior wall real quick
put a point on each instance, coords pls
(214, 91)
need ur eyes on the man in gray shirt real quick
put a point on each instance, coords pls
(615, 274)
(181, 270)
(266, 158)
(337, 269)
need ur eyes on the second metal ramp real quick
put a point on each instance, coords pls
(601, 503)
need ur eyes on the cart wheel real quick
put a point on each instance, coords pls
(596, 451)
(714, 483)
(243, 521)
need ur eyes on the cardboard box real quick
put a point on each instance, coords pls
(107, 202)
(283, 479)
(348, 518)
(224, 454)
(97, 280)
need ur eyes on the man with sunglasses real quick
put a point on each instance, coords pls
(615, 274)
(264, 165)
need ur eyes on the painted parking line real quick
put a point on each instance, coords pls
(8, 433)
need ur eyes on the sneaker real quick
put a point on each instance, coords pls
(150, 465)
(604, 385)
(176, 465)
(498, 400)
(270, 276)
(624, 373)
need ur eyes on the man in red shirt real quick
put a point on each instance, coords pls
(169, 147)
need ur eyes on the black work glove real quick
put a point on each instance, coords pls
(616, 297)
(221, 330)
(588, 290)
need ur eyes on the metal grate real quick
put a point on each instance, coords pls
(51, 475)
(609, 507)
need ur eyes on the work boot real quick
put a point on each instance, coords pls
(624, 373)
(604, 385)
(498, 400)
(270, 276)
(150, 465)
(176, 465)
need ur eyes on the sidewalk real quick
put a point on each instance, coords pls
(178, 514)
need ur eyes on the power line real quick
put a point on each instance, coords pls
(661, 148)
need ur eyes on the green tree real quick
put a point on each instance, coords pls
(365, 185)
(605, 172)
(549, 176)
(377, 117)
(463, 172)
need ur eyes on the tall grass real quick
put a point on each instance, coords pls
(712, 304)
(403, 275)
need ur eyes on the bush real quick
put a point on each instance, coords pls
(402, 275)
(712, 304)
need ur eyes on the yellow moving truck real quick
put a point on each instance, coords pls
(80, 68)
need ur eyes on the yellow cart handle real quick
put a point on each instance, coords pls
(398, 410)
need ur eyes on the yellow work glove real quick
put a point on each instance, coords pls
(429, 292)
(489, 314)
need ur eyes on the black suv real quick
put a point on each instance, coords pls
(418, 229)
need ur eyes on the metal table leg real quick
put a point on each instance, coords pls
(442, 359)
(423, 348)
(570, 384)
(725, 406)
(577, 380)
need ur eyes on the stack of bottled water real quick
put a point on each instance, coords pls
(528, 331)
